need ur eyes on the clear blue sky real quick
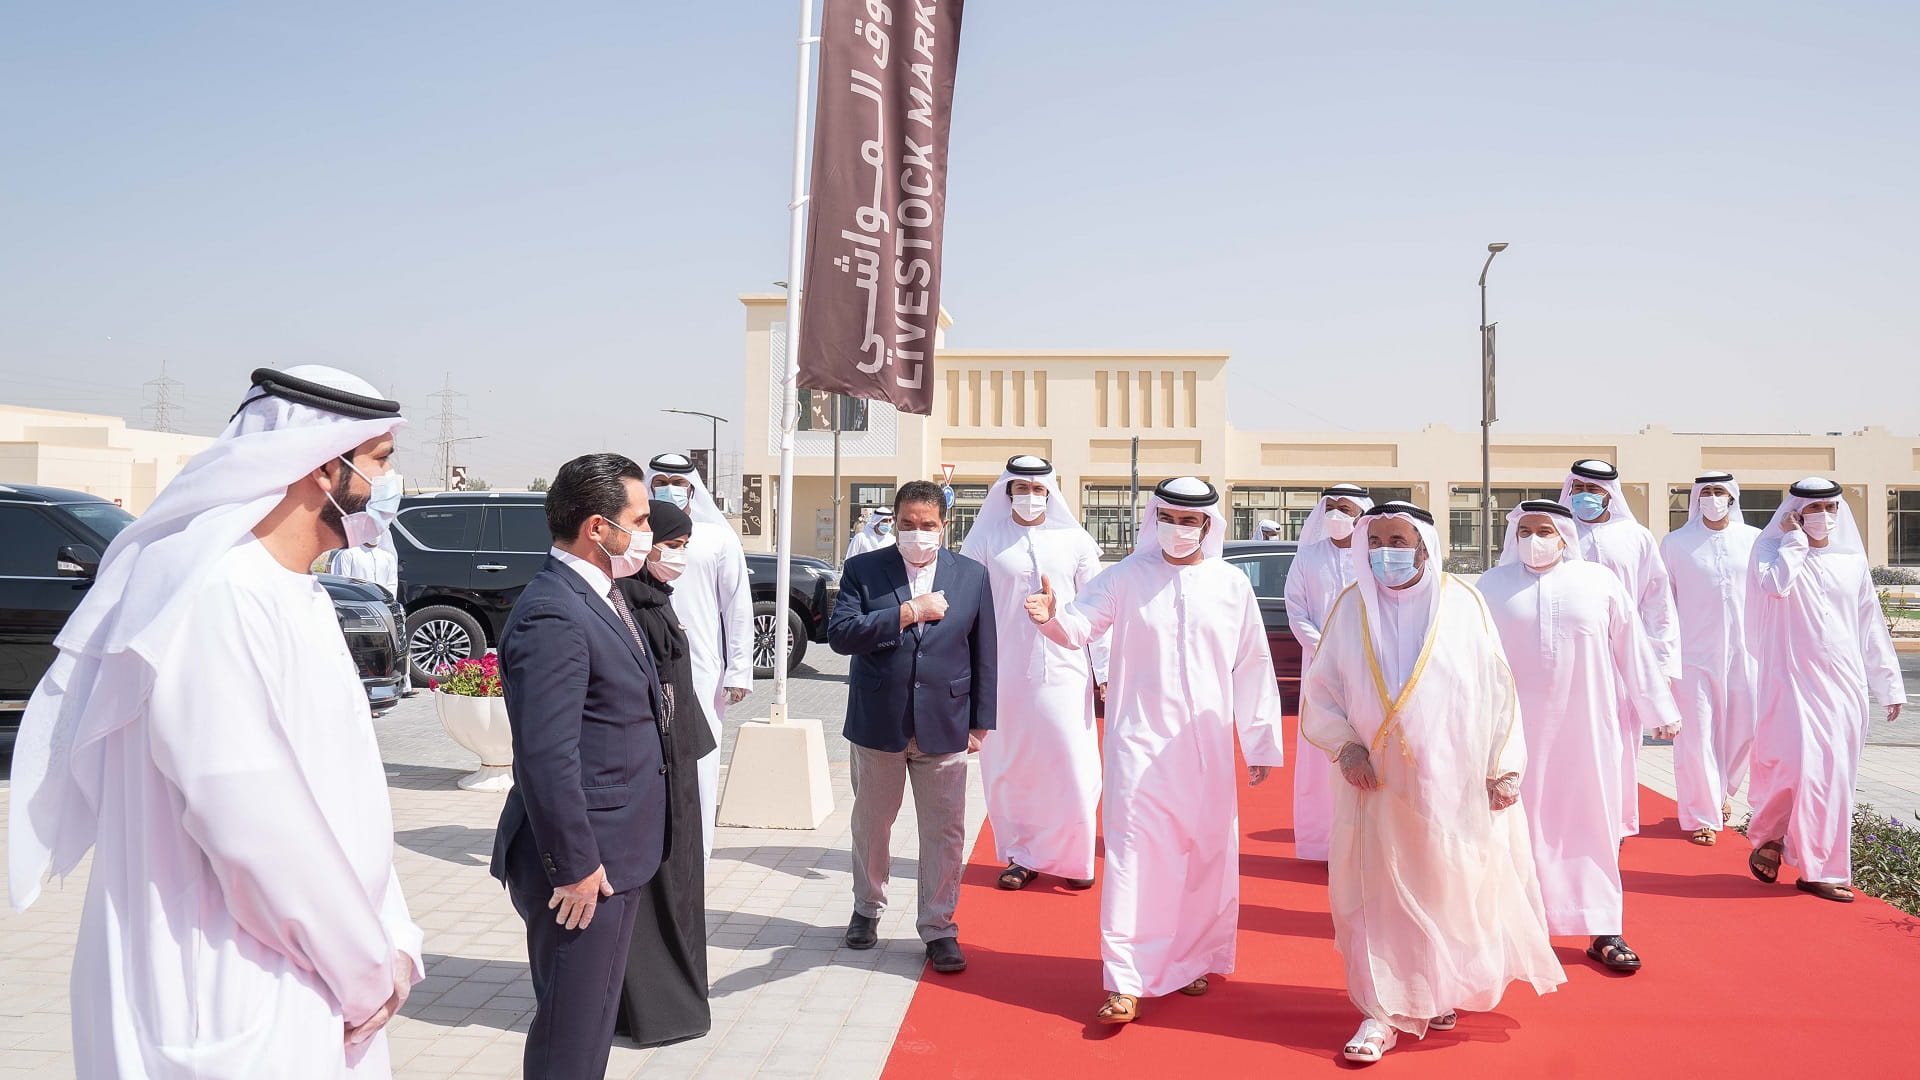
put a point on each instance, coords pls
(1711, 212)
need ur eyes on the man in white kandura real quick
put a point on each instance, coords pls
(875, 533)
(1436, 906)
(1188, 667)
(204, 732)
(1268, 529)
(1825, 658)
(1323, 567)
(1042, 766)
(1707, 561)
(1612, 537)
(1577, 653)
(714, 601)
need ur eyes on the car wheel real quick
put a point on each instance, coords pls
(765, 632)
(437, 637)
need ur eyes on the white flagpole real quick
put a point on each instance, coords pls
(789, 388)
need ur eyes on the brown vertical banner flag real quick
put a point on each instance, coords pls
(878, 199)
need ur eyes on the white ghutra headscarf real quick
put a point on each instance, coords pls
(1723, 479)
(1563, 520)
(995, 528)
(1181, 493)
(1315, 528)
(701, 506)
(1595, 471)
(1412, 611)
(290, 424)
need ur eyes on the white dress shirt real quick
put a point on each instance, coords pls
(920, 578)
(596, 578)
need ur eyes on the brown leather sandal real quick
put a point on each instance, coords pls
(1826, 890)
(1016, 877)
(1766, 870)
(1119, 1009)
(1195, 988)
(1705, 837)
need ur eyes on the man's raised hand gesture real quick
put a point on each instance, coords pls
(1041, 605)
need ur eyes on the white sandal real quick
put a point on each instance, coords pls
(1362, 1046)
(1446, 1021)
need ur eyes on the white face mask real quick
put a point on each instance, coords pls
(1819, 526)
(1540, 552)
(919, 547)
(1715, 507)
(1178, 541)
(365, 527)
(670, 565)
(1339, 525)
(1029, 507)
(629, 562)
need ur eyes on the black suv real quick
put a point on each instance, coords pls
(465, 556)
(50, 546)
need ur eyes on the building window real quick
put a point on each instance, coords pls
(964, 512)
(1463, 518)
(866, 496)
(1289, 506)
(1107, 513)
(1903, 527)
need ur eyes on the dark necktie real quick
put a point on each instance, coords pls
(626, 616)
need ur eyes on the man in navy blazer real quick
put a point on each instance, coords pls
(918, 621)
(585, 825)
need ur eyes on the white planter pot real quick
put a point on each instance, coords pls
(480, 725)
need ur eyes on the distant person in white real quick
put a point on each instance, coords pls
(714, 600)
(1323, 567)
(204, 732)
(1436, 907)
(378, 563)
(1189, 668)
(1268, 529)
(875, 533)
(1610, 536)
(1707, 560)
(1577, 652)
(1042, 767)
(1825, 657)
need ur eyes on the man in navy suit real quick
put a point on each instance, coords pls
(918, 621)
(586, 823)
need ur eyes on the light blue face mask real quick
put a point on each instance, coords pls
(883, 528)
(1392, 567)
(675, 494)
(1588, 506)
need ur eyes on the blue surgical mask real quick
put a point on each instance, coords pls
(1587, 506)
(675, 494)
(883, 528)
(1392, 567)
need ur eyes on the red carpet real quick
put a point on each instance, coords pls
(1741, 980)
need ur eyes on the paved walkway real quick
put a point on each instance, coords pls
(787, 1000)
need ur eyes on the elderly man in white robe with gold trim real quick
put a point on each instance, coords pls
(1189, 668)
(204, 731)
(1323, 567)
(1610, 536)
(1041, 769)
(1577, 652)
(1825, 658)
(1436, 907)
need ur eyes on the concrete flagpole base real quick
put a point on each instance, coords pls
(778, 776)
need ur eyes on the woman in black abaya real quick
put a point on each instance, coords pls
(664, 996)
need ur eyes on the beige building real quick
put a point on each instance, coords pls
(99, 455)
(1082, 411)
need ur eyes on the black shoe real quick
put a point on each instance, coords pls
(862, 932)
(946, 955)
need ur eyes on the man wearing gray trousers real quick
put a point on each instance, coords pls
(917, 620)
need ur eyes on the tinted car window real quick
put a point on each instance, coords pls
(103, 518)
(444, 528)
(33, 542)
(1267, 573)
(518, 528)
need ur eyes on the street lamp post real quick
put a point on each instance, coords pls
(1487, 417)
(713, 455)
